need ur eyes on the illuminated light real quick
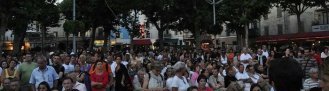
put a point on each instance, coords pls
(313, 44)
(113, 42)
(319, 41)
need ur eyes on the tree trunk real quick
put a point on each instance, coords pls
(92, 39)
(43, 34)
(238, 38)
(106, 36)
(246, 35)
(19, 36)
(299, 24)
(3, 27)
(67, 41)
(160, 34)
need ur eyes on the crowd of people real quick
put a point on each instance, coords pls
(169, 69)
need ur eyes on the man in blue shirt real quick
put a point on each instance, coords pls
(43, 73)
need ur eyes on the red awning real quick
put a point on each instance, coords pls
(142, 42)
(294, 37)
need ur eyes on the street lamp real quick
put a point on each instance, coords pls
(74, 40)
(213, 3)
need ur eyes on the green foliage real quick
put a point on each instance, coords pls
(295, 6)
(237, 13)
(71, 26)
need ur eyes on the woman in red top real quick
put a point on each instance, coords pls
(202, 80)
(99, 77)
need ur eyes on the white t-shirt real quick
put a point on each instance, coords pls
(181, 84)
(169, 82)
(68, 68)
(223, 60)
(240, 75)
(265, 53)
(324, 55)
(245, 56)
(255, 77)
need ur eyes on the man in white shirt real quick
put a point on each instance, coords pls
(324, 54)
(265, 51)
(67, 65)
(243, 76)
(245, 58)
(72, 83)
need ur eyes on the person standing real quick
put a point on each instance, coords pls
(25, 71)
(179, 83)
(57, 65)
(43, 73)
(121, 75)
(99, 77)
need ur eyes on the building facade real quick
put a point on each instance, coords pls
(281, 27)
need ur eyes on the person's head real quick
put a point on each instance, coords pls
(57, 59)
(109, 58)
(118, 59)
(77, 67)
(231, 71)
(170, 72)
(4, 64)
(202, 80)
(44, 86)
(14, 85)
(251, 69)
(6, 82)
(12, 64)
(287, 52)
(259, 52)
(42, 62)
(314, 73)
(68, 83)
(141, 73)
(205, 72)
(99, 64)
(156, 68)
(180, 68)
(73, 59)
(67, 59)
(82, 59)
(241, 68)
(255, 87)
(192, 88)
(215, 71)
(286, 74)
(28, 57)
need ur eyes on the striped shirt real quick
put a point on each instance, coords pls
(309, 83)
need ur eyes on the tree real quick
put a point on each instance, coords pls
(237, 15)
(197, 16)
(47, 15)
(161, 14)
(295, 7)
(72, 27)
(23, 12)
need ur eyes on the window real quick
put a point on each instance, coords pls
(266, 30)
(280, 29)
(279, 12)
